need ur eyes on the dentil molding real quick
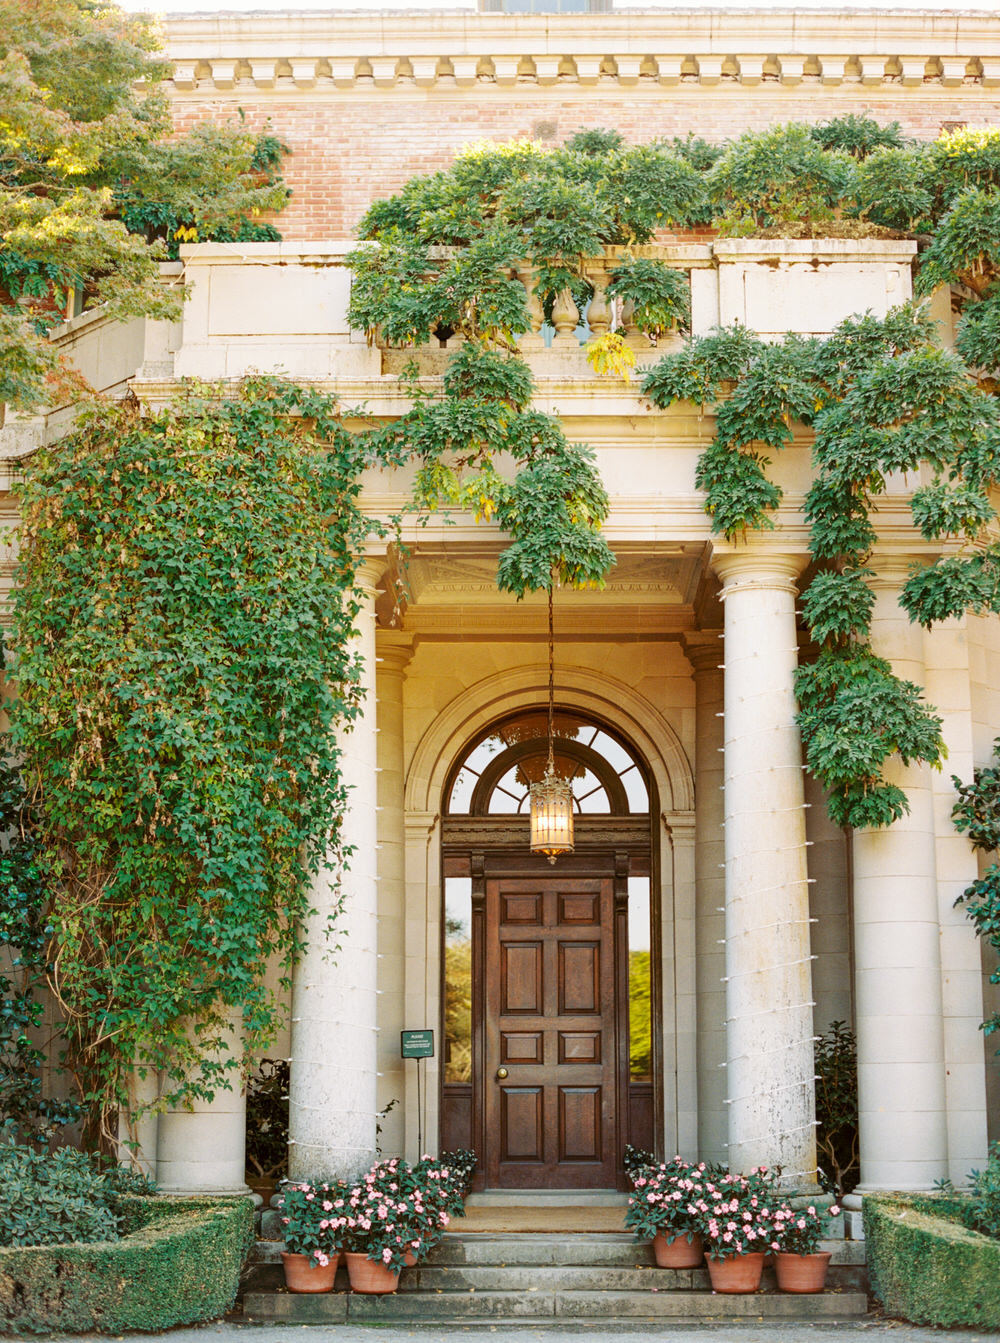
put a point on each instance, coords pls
(316, 51)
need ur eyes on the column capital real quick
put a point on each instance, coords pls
(680, 826)
(889, 571)
(760, 569)
(369, 571)
(704, 651)
(393, 650)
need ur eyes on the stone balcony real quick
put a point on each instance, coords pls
(283, 306)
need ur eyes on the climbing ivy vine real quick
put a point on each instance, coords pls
(182, 624)
(977, 814)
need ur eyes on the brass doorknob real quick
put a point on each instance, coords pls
(501, 1074)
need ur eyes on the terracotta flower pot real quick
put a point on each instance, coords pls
(738, 1274)
(410, 1258)
(802, 1272)
(303, 1274)
(368, 1277)
(678, 1252)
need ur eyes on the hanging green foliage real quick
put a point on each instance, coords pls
(182, 623)
(977, 814)
(879, 398)
(448, 250)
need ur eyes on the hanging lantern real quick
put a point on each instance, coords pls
(551, 797)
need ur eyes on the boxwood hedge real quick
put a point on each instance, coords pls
(178, 1262)
(926, 1266)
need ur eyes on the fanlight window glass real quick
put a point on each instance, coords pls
(495, 777)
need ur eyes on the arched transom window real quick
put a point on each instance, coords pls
(496, 772)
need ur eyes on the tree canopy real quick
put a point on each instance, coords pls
(95, 190)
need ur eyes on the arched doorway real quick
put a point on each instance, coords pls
(550, 991)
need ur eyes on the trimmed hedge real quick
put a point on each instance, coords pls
(178, 1262)
(926, 1266)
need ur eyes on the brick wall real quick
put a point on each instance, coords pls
(350, 147)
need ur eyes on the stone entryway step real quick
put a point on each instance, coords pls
(541, 1306)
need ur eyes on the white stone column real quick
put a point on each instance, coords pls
(710, 884)
(332, 1104)
(679, 971)
(201, 1149)
(137, 1141)
(946, 656)
(770, 1071)
(394, 652)
(901, 1086)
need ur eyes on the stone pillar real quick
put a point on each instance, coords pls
(901, 1089)
(946, 655)
(137, 1141)
(679, 960)
(710, 887)
(394, 652)
(770, 1071)
(331, 1120)
(202, 1149)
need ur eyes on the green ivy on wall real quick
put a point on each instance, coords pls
(182, 623)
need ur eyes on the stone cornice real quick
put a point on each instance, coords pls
(343, 50)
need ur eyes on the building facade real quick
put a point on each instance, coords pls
(663, 985)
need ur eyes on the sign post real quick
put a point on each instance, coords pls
(417, 1045)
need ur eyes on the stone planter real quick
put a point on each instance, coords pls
(802, 1272)
(739, 1274)
(678, 1251)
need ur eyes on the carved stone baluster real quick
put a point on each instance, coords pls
(532, 339)
(634, 338)
(599, 310)
(565, 319)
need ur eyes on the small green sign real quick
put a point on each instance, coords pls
(416, 1044)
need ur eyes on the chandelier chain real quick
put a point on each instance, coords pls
(552, 687)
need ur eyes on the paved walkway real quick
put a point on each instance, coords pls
(865, 1331)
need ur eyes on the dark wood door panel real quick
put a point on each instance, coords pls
(580, 1137)
(579, 970)
(521, 983)
(550, 1027)
(521, 1131)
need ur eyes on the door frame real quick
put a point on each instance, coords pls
(608, 846)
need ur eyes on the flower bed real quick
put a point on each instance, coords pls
(178, 1262)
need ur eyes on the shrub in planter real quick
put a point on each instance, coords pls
(54, 1199)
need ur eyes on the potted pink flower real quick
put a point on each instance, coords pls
(799, 1263)
(665, 1206)
(738, 1228)
(313, 1234)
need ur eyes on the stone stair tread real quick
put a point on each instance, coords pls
(544, 1305)
(604, 1250)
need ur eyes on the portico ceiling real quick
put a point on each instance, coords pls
(452, 591)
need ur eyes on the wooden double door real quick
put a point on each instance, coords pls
(554, 1056)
